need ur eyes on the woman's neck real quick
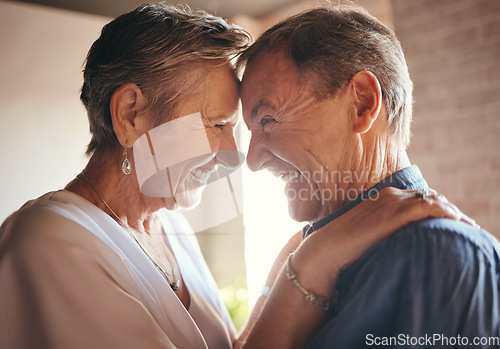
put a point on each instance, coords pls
(104, 184)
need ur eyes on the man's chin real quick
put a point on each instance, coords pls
(302, 205)
(304, 211)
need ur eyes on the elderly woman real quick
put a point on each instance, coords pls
(102, 265)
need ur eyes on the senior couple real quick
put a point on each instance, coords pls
(100, 264)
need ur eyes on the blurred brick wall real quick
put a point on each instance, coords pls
(452, 49)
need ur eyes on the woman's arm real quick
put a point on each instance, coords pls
(292, 244)
(285, 319)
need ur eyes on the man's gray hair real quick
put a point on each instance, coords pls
(330, 45)
(157, 47)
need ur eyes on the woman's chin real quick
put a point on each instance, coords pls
(189, 199)
(170, 204)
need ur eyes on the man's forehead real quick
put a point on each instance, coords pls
(266, 73)
(267, 64)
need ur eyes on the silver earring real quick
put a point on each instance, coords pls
(126, 165)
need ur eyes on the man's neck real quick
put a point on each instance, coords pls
(377, 161)
(383, 164)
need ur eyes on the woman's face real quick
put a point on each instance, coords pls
(197, 142)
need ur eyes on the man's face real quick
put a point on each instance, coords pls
(297, 137)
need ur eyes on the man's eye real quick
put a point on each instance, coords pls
(221, 126)
(266, 122)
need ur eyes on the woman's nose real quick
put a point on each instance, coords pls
(226, 152)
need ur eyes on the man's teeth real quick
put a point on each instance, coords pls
(290, 176)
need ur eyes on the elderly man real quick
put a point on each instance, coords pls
(328, 99)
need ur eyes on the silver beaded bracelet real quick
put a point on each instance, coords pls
(318, 301)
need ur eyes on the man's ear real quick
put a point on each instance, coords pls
(367, 95)
(127, 108)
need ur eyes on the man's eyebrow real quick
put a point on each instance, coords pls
(262, 103)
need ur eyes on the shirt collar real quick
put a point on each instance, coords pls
(407, 178)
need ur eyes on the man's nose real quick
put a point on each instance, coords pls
(257, 154)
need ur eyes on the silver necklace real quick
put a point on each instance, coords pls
(173, 284)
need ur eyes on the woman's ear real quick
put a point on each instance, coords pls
(127, 108)
(367, 95)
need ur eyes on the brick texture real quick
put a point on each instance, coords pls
(452, 49)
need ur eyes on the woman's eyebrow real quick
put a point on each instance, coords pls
(223, 118)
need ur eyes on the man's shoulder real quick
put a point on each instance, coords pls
(428, 271)
(443, 245)
(448, 237)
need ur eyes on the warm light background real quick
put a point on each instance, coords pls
(452, 49)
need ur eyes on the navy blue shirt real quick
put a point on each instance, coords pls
(432, 284)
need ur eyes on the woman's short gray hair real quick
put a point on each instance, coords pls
(330, 45)
(156, 47)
